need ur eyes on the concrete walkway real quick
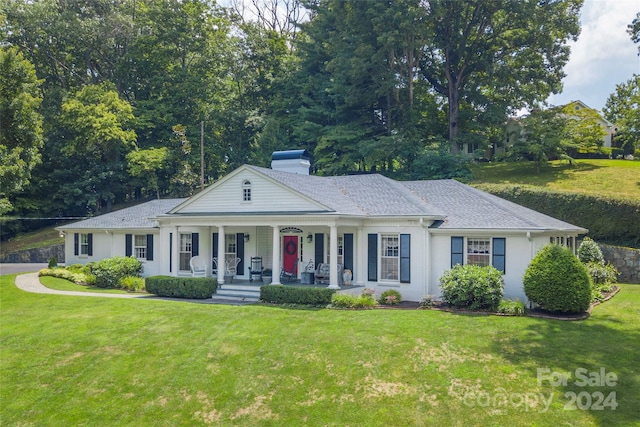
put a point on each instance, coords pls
(31, 283)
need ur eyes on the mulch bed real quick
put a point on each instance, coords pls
(440, 306)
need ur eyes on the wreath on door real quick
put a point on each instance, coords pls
(290, 248)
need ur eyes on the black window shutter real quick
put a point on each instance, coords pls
(347, 253)
(457, 250)
(170, 252)
(319, 246)
(90, 241)
(405, 258)
(215, 251)
(76, 244)
(499, 253)
(128, 245)
(372, 257)
(149, 247)
(195, 245)
(240, 252)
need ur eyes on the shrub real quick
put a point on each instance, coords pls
(280, 294)
(131, 283)
(557, 281)
(427, 301)
(109, 271)
(602, 274)
(512, 308)
(472, 287)
(74, 276)
(589, 252)
(181, 287)
(390, 297)
(352, 301)
(53, 262)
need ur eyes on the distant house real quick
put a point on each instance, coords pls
(390, 234)
(608, 127)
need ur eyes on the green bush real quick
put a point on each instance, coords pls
(427, 301)
(589, 252)
(352, 301)
(75, 276)
(280, 294)
(181, 287)
(557, 281)
(621, 226)
(53, 262)
(472, 287)
(511, 308)
(390, 297)
(602, 274)
(131, 283)
(109, 271)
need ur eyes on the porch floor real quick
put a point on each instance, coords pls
(258, 283)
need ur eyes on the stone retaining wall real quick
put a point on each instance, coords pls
(38, 255)
(626, 260)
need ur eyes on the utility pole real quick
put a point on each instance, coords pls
(202, 155)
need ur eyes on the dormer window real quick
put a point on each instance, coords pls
(246, 191)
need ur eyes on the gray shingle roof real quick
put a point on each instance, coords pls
(133, 217)
(459, 206)
(469, 208)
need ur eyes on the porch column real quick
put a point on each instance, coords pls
(333, 258)
(175, 252)
(220, 254)
(275, 279)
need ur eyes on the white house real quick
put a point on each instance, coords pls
(390, 234)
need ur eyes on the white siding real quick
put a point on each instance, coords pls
(266, 196)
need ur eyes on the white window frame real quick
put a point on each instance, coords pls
(389, 257)
(230, 247)
(478, 249)
(140, 246)
(246, 191)
(184, 252)
(84, 244)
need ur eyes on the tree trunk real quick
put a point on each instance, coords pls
(454, 110)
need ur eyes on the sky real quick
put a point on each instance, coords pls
(603, 55)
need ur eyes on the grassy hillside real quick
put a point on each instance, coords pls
(618, 179)
(37, 239)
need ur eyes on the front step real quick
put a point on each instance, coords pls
(230, 292)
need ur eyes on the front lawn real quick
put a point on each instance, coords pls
(98, 361)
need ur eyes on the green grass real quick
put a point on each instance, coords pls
(609, 178)
(66, 285)
(97, 361)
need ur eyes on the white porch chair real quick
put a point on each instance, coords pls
(198, 266)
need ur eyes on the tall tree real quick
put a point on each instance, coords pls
(634, 30)
(21, 133)
(98, 123)
(511, 51)
(623, 109)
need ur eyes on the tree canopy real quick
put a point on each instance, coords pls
(116, 90)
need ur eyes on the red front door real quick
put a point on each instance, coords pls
(290, 252)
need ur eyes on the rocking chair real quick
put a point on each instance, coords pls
(291, 274)
(256, 268)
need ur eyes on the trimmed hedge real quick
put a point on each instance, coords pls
(181, 287)
(614, 221)
(280, 294)
(557, 281)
